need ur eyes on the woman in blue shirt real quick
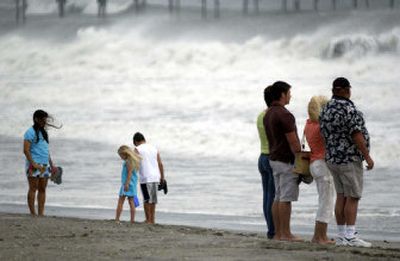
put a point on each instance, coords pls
(39, 165)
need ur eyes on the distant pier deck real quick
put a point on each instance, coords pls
(205, 6)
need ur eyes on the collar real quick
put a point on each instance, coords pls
(336, 97)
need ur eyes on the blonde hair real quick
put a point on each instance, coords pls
(315, 106)
(132, 157)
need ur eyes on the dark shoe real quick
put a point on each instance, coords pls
(57, 177)
(163, 186)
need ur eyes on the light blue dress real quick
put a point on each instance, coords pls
(132, 191)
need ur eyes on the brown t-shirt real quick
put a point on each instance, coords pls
(278, 121)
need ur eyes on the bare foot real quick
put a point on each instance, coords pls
(278, 238)
(322, 241)
(292, 238)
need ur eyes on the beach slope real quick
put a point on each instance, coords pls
(57, 238)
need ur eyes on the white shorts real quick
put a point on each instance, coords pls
(326, 190)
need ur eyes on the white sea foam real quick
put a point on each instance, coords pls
(207, 89)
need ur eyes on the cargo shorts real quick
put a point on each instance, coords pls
(348, 178)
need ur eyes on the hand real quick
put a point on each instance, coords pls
(53, 170)
(126, 187)
(42, 169)
(370, 163)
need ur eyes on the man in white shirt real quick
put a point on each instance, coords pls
(151, 174)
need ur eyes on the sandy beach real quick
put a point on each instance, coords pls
(49, 238)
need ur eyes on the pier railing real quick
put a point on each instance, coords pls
(174, 6)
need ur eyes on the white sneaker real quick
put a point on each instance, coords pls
(357, 242)
(341, 241)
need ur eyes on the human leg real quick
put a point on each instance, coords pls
(289, 191)
(336, 172)
(350, 211)
(152, 213)
(268, 187)
(351, 236)
(269, 203)
(275, 204)
(275, 216)
(320, 234)
(132, 209)
(152, 191)
(42, 184)
(326, 192)
(33, 186)
(325, 210)
(339, 209)
(147, 212)
(352, 174)
(146, 205)
(120, 206)
(285, 210)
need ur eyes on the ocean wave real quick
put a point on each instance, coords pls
(360, 45)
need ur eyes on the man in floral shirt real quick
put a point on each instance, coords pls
(347, 146)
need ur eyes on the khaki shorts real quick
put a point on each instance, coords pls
(286, 185)
(348, 178)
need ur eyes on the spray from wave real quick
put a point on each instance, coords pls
(358, 46)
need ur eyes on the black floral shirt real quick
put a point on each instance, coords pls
(339, 119)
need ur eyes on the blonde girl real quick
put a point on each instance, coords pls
(129, 180)
(319, 170)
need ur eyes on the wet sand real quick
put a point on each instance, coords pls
(48, 238)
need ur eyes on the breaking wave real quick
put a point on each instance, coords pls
(356, 46)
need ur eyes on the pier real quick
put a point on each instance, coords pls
(249, 7)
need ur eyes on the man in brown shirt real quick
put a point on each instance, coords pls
(280, 127)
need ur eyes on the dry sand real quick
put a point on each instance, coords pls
(57, 238)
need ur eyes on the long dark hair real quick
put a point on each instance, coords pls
(38, 115)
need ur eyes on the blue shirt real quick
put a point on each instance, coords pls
(339, 119)
(39, 149)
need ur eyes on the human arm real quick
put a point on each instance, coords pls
(129, 167)
(52, 166)
(359, 140)
(160, 166)
(293, 141)
(28, 155)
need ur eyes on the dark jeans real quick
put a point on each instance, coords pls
(268, 192)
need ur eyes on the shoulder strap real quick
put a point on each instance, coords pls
(303, 141)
